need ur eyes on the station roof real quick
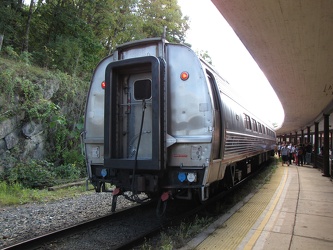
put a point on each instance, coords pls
(292, 43)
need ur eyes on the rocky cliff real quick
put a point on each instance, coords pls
(39, 111)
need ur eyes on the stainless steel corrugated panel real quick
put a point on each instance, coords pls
(240, 145)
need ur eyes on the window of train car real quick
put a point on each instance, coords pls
(259, 128)
(142, 89)
(255, 127)
(247, 121)
(270, 133)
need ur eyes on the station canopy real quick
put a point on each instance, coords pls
(292, 43)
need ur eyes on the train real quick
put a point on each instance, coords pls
(161, 121)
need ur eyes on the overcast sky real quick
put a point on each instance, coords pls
(210, 32)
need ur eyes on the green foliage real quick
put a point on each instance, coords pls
(22, 90)
(11, 194)
(72, 36)
(34, 174)
(188, 230)
(205, 56)
(41, 173)
(157, 14)
(16, 194)
(68, 172)
(73, 157)
(26, 57)
(6, 88)
(11, 53)
(12, 23)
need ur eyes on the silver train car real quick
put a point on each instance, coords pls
(161, 121)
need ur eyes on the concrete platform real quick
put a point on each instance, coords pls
(294, 210)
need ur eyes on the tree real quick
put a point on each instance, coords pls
(73, 36)
(27, 30)
(157, 14)
(205, 56)
(62, 39)
(11, 20)
(1, 39)
(115, 22)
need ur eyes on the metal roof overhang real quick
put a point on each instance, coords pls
(292, 43)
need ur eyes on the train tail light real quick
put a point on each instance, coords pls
(184, 75)
(192, 177)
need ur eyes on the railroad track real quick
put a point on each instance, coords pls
(125, 233)
(64, 236)
(124, 229)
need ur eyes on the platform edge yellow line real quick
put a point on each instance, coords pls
(262, 225)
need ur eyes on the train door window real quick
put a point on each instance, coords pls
(247, 121)
(215, 100)
(217, 123)
(142, 89)
(254, 123)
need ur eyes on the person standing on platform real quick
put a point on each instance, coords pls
(296, 154)
(285, 154)
(300, 155)
(308, 150)
(291, 150)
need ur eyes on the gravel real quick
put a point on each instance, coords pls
(19, 223)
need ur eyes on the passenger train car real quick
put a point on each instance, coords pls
(161, 121)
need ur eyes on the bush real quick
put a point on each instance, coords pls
(40, 174)
(26, 57)
(11, 53)
(68, 172)
(34, 174)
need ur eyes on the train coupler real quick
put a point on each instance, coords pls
(165, 196)
(116, 191)
(162, 204)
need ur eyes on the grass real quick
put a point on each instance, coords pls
(16, 194)
(176, 237)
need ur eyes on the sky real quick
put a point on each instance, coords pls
(210, 32)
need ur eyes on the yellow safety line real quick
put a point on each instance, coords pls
(262, 225)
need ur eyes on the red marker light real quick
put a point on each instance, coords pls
(184, 76)
(103, 85)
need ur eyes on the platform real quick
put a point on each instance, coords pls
(293, 210)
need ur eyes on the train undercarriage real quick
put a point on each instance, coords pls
(149, 187)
